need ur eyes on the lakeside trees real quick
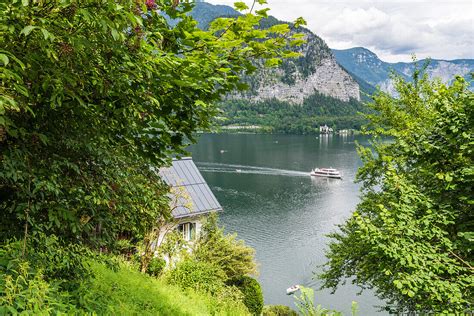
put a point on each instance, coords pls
(411, 236)
(282, 117)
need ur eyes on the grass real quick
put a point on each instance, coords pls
(128, 292)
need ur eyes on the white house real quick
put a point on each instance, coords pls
(324, 129)
(191, 198)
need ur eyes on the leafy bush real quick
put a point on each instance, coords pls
(253, 296)
(26, 291)
(225, 251)
(278, 310)
(206, 278)
(156, 266)
(198, 275)
(306, 305)
(56, 259)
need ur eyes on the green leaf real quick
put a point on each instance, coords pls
(46, 34)
(299, 22)
(115, 34)
(25, 2)
(240, 6)
(279, 29)
(27, 29)
(262, 12)
(272, 62)
(4, 59)
(43, 138)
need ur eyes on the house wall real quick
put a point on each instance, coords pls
(172, 226)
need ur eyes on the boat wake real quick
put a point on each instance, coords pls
(241, 169)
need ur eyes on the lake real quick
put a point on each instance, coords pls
(271, 202)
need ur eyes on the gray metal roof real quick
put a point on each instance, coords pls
(190, 194)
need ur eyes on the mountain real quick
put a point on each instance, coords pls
(367, 66)
(315, 71)
(205, 13)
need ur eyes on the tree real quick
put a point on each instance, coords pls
(96, 92)
(251, 291)
(410, 237)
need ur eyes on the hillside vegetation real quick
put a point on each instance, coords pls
(281, 117)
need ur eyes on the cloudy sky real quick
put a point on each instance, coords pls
(393, 29)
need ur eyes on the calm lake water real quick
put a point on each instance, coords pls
(270, 201)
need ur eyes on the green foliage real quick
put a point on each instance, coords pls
(282, 117)
(223, 250)
(252, 292)
(118, 291)
(305, 304)
(156, 266)
(95, 92)
(205, 278)
(410, 237)
(218, 266)
(200, 276)
(125, 291)
(55, 259)
(26, 291)
(278, 310)
(40, 280)
(174, 245)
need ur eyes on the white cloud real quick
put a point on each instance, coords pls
(393, 29)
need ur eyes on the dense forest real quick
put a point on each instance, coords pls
(281, 117)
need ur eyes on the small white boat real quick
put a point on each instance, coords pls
(326, 172)
(292, 289)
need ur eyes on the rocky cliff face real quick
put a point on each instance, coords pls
(328, 78)
(316, 70)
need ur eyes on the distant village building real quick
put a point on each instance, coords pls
(324, 129)
(191, 199)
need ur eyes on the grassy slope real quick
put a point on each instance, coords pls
(128, 292)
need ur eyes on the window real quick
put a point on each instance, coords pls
(188, 230)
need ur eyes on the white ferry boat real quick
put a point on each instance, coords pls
(326, 172)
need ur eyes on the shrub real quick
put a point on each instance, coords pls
(278, 310)
(25, 291)
(207, 278)
(225, 251)
(57, 259)
(197, 275)
(252, 292)
(156, 266)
